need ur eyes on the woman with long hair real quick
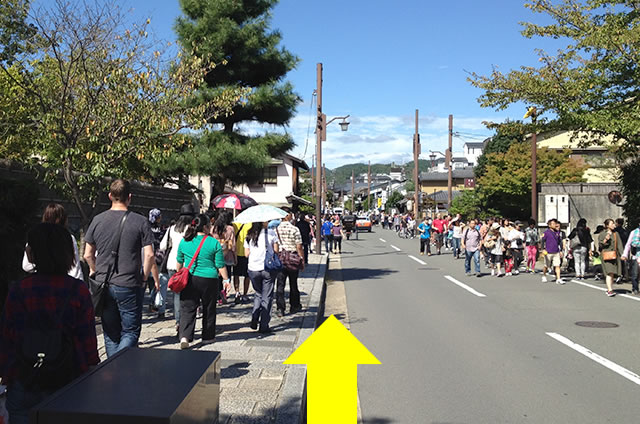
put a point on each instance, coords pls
(50, 302)
(609, 241)
(260, 240)
(169, 244)
(203, 280)
(580, 242)
(54, 213)
(224, 232)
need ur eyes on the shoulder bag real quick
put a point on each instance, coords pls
(290, 260)
(98, 289)
(611, 255)
(271, 260)
(180, 279)
(165, 259)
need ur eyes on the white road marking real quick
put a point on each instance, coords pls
(582, 283)
(383, 240)
(599, 359)
(417, 260)
(464, 286)
(396, 249)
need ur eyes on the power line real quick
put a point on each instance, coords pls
(306, 143)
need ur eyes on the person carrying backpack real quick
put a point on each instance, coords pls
(48, 329)
(471, 245)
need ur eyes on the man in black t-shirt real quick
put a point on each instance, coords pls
(122, 314)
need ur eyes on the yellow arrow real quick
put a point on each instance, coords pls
(332, 355)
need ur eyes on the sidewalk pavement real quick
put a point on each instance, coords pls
(255, 386)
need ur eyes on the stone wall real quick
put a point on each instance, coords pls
(144, 197)
(586, 200)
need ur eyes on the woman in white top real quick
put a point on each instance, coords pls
(259, 240)
(169, 244)
(494, 243)
(54, 213)
(457, 237)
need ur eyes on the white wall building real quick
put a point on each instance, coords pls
(279, 183)
(472, 152)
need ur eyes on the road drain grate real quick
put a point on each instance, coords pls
(597, 324)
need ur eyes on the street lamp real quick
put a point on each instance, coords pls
(321, 135)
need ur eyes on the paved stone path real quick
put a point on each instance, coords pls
(255, 386)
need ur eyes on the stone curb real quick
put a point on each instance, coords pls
(291, 404)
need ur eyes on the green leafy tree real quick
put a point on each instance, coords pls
(472, 204)
(507, 133)
(393, 200)
(506, 184)
(98, 99)
(237, 34)
(591, 84)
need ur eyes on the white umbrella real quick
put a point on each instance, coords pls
(260, 213)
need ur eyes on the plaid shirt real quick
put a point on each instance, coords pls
(289, 236)
(38, 298)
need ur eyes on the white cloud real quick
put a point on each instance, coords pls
(378, 138)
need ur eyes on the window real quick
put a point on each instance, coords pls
(270, 175)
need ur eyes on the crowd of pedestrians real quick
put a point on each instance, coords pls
(508, 248)
(53, 310)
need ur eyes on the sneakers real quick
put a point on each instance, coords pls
(421, 253)
(468, 274)
(500, 275)
(493, 272)
(544, 279)
(560, 281)
(516, 272)
(611, 293)
(184, 343)
(636, 292)
(238, 299)
(508, 274)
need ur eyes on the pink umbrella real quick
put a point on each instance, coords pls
(233, 201)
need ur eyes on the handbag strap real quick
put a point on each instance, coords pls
(280, 238)
(115, 247)
(197, 252)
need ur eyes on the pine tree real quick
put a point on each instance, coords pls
(235, 34)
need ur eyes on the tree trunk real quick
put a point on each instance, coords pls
(219, 183)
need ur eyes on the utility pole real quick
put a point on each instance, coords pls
(532, 112)
(353, 196)
(450, 161)
(416, 170)
(324, 186)
(319, 135)
(313, 178)
(369, 186)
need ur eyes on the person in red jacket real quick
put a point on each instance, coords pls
(439, 228)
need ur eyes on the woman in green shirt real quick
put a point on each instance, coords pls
(203, 280)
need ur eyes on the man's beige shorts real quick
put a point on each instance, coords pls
(552, 260)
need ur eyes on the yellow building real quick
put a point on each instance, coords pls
(431, 182)
(602, 166)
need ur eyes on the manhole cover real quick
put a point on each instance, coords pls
(597, 324)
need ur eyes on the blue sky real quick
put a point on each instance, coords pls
(384, 59)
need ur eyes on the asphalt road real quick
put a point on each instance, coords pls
(509, 353)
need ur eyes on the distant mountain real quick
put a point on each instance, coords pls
(342, 174)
